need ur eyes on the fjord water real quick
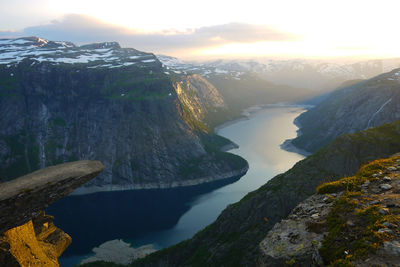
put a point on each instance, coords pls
(165, 217)
(259, 138)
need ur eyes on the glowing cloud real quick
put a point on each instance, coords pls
(84, 29)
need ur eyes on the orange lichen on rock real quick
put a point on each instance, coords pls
(37, 245)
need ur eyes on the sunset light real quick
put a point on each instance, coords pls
(325, 29)
(208, 133)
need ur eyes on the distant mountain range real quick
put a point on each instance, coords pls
(308, 74)
(240, 86)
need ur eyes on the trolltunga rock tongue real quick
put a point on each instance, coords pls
(23, 198)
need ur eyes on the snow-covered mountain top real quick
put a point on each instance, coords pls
(172, 64)
(301, 73)
(107, 55)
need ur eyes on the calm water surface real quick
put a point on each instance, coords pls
(259, 140)
(166, 217)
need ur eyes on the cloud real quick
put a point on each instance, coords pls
(9, 34)
(82, 29)
(352, 48)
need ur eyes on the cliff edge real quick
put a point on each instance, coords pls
(28, 236)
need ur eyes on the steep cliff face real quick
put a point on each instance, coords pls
(100, 101)
(357, 107)
(199, 95)
(233, 239)
(28, 236)
(354, 221)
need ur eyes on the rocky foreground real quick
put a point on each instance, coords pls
(354, 221)
(28, 236)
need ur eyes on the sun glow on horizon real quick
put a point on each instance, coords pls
(337, 28)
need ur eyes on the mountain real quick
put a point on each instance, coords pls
(100, 101)
(324, 75)
(234, 238)
(317, 75)
(202, 99)
(240, 86)
(353, 108)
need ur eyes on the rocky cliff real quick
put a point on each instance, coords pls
(354, 221)
(233, 239)
(28, 236)
(101, 101)
(350, 109)
(199, 96)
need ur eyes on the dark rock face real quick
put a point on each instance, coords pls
(354, 108)
(119, 107)
(291, 241)
(233, 239)
(22, 199)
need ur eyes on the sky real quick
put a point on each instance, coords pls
(215, 28)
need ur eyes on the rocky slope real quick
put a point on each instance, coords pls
(354, 221)
(201, 98)
(100, 101)
(350, 109)
(28, 237)
(233, 239)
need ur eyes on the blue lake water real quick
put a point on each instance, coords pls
(168, 216)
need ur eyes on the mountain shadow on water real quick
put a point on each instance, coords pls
(96, 218)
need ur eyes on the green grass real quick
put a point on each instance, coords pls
(353, 183)
(191, 168)
(137, 84)
(345, 243)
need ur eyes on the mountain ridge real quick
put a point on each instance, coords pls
(353, 108)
